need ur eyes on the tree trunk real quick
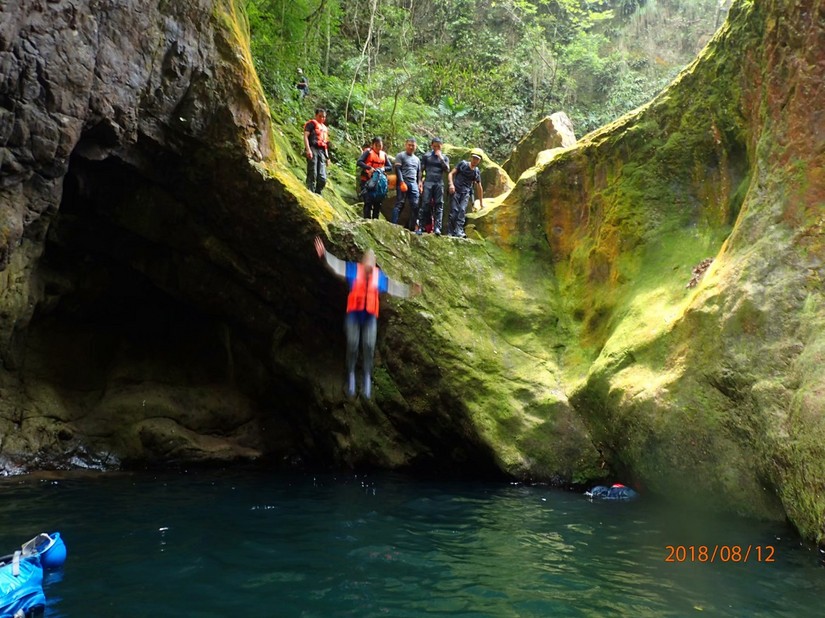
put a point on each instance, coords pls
(364, 51)
(329, 42)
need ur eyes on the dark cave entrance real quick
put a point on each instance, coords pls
(114, 336)
(98, 287)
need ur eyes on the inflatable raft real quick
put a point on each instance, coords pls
(21, 575)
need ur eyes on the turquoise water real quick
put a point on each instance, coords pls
(252, 545)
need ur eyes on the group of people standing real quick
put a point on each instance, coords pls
(419, 180)
(420, 183)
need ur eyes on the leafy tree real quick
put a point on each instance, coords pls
(480, 72)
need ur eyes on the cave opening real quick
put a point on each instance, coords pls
(115, 350)
(97, 286)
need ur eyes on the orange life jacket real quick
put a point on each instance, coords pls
(364, 294)
(321, 134)
(377, 161)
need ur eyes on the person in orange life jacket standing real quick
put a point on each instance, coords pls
(316, 144)
(365, 281)
(462, 179)
(368, 162)
(408, 173)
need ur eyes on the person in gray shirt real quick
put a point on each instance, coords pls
(435, 164)
(408, 173)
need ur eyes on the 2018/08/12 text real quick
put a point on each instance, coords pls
(720, 553)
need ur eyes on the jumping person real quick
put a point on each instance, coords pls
(408, 173)
(365, 281)
(434, 165)
(316, 150)
(368, 162)
(463, 178)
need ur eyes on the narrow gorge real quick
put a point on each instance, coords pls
(161, 302)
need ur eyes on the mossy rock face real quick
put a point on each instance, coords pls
(472, 359)
(707, 393)
(554, 131)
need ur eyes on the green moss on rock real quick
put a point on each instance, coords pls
(696, 392)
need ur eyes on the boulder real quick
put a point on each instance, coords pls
(554, 131)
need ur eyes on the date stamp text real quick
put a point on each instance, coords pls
(720, 553)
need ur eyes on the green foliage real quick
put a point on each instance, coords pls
(449, 107)
(478, 72)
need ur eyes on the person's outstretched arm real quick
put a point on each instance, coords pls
(339, 267)
(402, 290)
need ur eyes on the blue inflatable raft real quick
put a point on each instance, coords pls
(614, 492)
(21, 575)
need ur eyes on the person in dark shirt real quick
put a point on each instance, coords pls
(302, 84)
(434, 165)
(463, 178)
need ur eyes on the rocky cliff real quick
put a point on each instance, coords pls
(707, 386)
(117, 122)
(161, 300)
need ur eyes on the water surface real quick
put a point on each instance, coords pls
(254, 545)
